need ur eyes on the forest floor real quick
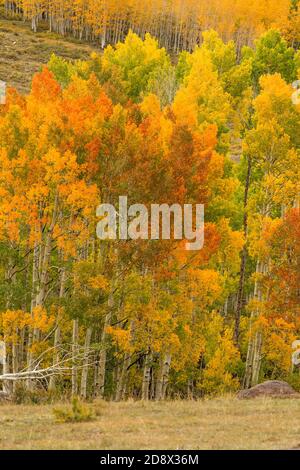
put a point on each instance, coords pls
(22, 52)
(217, 424)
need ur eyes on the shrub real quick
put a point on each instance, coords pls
(78, 412)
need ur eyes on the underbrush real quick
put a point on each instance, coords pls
(75, 413)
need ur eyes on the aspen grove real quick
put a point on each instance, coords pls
(189, 102)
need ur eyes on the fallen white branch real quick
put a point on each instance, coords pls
(63, 366)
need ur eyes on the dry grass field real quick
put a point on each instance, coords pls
(22, 52)
(217, 424)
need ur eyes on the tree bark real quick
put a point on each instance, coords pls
(163, 378)
(85, 368)
(240, 293)
(103, 352)
(74, 354)
(253, 361)
(146, 377)
(57, 336)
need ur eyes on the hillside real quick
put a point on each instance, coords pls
(22, 52)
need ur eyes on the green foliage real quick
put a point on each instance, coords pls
(164, 84)
(184, 66)
(294, 380)
(136, 62)
(238, 79)
(61, 69)
(223, 55)
(272, 55)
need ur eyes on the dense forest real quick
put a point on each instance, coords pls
(177, 24)
(202, 110)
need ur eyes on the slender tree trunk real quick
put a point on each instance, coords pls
(146, 377)
(256, 358)
(40, 278)
(35, 264)
(240, 293)
(15, 361)
(74, 354)
(121, 384)
(253, 361)
(190, 389)
(57, 338)
(85, 368)
(163, 378)
(103, 352)
(57, 335)
(5, 364)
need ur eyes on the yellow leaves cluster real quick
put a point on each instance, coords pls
(41, 320)
(279, 336)
(99, 283)
(59, 168)
(205, 286)
(221, 361)
(202, 100)
(121, 338)
(12, 322)
(261, 230)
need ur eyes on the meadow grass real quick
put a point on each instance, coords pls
(225, 423)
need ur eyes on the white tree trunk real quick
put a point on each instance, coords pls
(85, 368)
(74, 355)
(146, 378)
(163, 378)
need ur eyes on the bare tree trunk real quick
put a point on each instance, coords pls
(257, 357)
(253, 361)
(5, 364)
(103, 352)
(57, 336)
(74, 354)
(190, 389)
(35, 264)
(163, 378)
(40, 278)
(52, 382)
(34, 24)
(146, 377)
(121, 384)
(85, 368)
(15, 362)
(240, 294)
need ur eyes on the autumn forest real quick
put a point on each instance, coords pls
(187, 102)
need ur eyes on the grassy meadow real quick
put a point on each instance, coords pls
(225, 423)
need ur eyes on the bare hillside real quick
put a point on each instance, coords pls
(22, 52)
